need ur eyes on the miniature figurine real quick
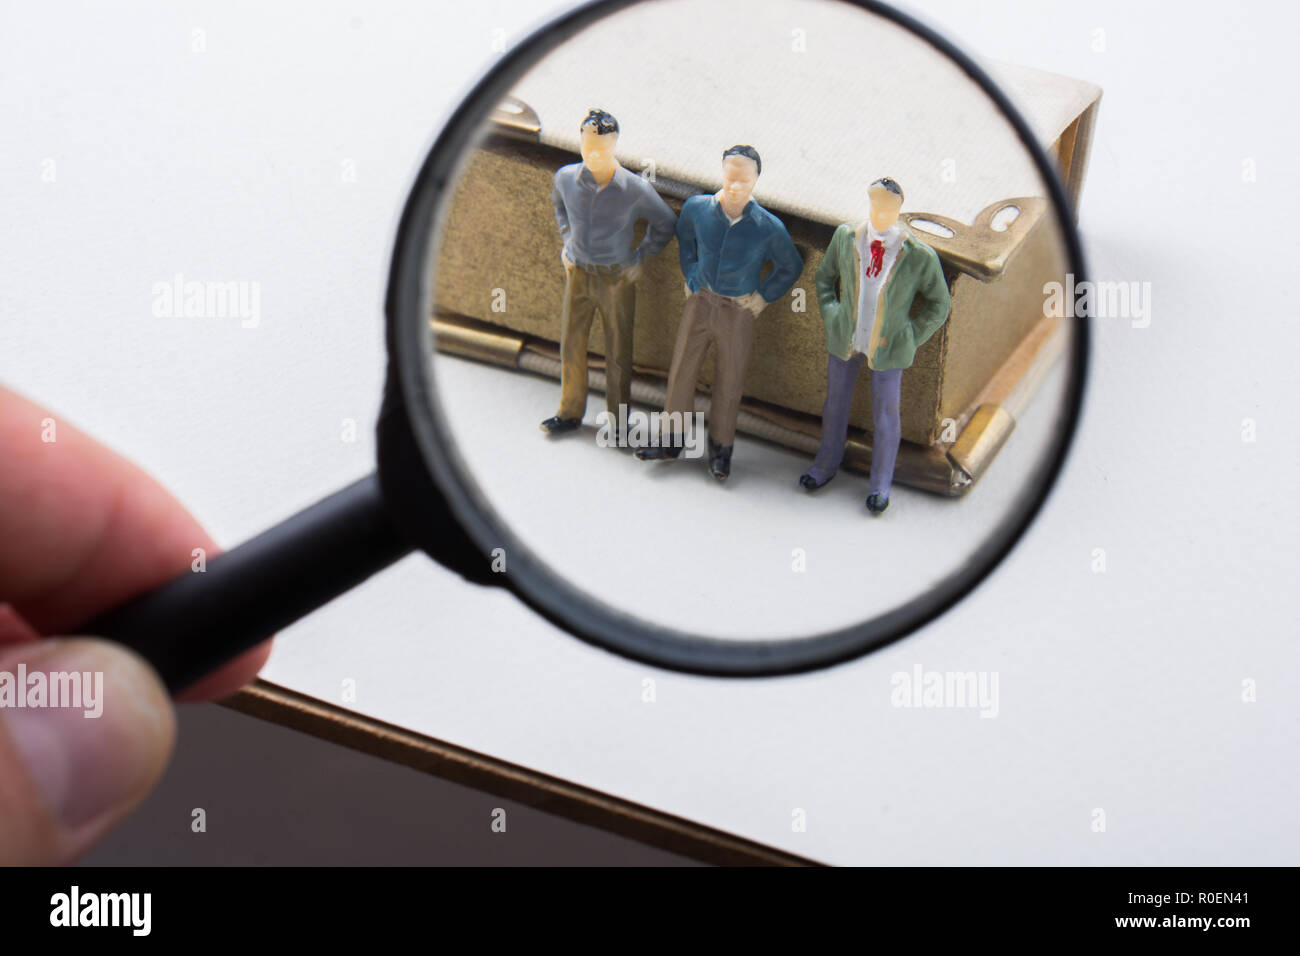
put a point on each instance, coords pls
(598, 203)
(866, 285)
(724, 242)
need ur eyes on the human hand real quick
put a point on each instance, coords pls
(633, 272)
(568, 263)
(81, 530)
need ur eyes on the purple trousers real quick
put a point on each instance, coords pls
(886, 423)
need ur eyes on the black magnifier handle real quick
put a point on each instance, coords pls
(196, 622)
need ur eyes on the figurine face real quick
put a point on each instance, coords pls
(739, 174)
(598, 150)
(885, 206)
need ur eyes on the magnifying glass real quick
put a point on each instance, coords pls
(726, 335)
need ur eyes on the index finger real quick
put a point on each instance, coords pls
(82, 530)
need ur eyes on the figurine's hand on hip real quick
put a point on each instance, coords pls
(754, 302)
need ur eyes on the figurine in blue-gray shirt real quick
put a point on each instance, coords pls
(725, 241)
(597, 206)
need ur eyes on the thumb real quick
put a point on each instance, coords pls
(86, 729)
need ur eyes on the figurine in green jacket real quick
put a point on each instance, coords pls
(866, 286)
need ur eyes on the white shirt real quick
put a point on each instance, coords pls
(869, 289)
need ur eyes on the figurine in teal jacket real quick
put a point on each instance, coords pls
(726, 243)
(867, 283)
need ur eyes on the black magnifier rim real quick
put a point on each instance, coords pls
(529, 578)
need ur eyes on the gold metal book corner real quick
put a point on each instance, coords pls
(986, 246)
(981, 440)
(513, 117)
(456, 338)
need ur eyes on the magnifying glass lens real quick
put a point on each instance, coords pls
(746, 322)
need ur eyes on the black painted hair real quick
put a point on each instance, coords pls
(889, 184)
(600, 121)
(749, 152)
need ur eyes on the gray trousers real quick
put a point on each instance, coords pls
(886, 421)
(711, 319)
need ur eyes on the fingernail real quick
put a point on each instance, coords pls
(91, 723)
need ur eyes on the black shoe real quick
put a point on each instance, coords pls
(719, 460)
(658, 452)
(809, 483)
(555, 424)
(876, 502)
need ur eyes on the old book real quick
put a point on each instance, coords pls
(993, 233)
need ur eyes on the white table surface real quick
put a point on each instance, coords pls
(1119, 691)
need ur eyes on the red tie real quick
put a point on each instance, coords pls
(877, 258)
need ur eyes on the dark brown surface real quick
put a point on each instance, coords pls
(273, 796)
(528, 787)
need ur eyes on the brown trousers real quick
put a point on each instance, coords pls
(709, 318)
(585, 294)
